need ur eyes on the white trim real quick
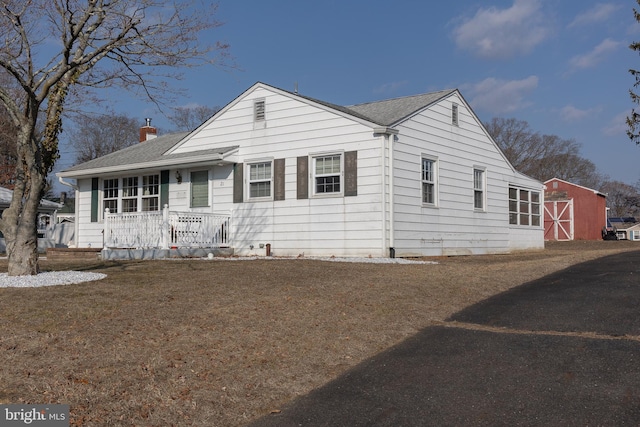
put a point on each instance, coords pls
(435, 180)
(312, 174)
(247, 179)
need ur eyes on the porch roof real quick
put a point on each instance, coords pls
(146, 155)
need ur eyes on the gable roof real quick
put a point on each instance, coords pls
(159, 152)
(148, 154)
(575, 185)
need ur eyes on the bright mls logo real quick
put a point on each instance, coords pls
(34, 415)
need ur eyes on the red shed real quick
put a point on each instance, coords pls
(573, 212)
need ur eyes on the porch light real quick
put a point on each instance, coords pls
(179, 177)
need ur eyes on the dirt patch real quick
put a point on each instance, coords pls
(220, 343)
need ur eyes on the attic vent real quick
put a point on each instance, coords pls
(259, 110)
(454, 114)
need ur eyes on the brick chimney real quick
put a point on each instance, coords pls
(147, 132)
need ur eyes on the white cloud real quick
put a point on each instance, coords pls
(570, 113)
(596, 55)
(503, 33)
(617, 126)
(502, 96)
(599, 13)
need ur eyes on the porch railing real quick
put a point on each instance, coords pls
(165, 229)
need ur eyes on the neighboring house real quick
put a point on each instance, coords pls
(626, 228)
(275, 172)
(46, 219)
(573, 212)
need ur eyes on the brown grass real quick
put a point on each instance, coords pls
(219, 343)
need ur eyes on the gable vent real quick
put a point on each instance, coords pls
(259, 110)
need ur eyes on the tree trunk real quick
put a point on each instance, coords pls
(21, 236)
(19, 221)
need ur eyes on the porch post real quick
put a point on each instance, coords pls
(165, 234)
(106, 230)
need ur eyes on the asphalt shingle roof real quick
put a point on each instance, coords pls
(148, 151)
(392, 111)
(384, 113)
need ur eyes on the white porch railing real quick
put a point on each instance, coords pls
(165, 229)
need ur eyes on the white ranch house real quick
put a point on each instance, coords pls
(275, 172)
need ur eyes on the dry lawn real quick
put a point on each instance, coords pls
(220, 343)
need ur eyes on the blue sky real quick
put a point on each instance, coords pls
(561, 66)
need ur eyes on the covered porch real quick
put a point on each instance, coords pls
(165, 234)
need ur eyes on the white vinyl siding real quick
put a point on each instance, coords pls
(455, 228)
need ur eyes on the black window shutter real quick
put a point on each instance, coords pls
(278, 179)
(351, 173)
(164, 188)
(94, 199)
(238, 178)
(302, 182)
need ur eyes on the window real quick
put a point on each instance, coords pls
(327, 172)
(260, 180)
(150, 193)
(454, 114)
(524, 207)
(259, 110)
(429, 181)
(110, 195)
(478, 189)
(199, 189)
(139, 193)
(130, 194)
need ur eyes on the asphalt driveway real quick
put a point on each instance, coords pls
(561, 351)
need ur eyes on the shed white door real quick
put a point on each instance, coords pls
(558, 220)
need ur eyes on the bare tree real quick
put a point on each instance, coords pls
(542, 156)
(633, 120)
(50, 49)
(99, 134)
(623, 200)
(190, 117)
(8, 155)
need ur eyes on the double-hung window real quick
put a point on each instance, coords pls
(524, 207)
(327, 174)
(110, 195)
(130, 194)
(260, 180)
(150, 193)
(479, 189)
(429, 181)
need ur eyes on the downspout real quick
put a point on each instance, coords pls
(388, 137)
(76, 222)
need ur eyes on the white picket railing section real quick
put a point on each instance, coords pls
(165, 229)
